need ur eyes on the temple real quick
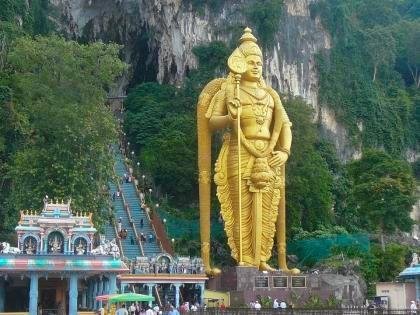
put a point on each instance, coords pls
(56, 260)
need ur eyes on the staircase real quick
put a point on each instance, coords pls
(130, 251)
(137, 213)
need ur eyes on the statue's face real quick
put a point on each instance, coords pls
(254, 68)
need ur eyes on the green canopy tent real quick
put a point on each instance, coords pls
(130, 297)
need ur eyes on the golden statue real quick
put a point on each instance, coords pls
(250, 169)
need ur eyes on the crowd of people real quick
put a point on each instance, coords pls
(141, 309)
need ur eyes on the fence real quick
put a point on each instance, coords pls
(352, 311)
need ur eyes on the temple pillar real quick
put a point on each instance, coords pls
(2, 294)
(73, 294)
(201, 294)
(150, 291)
(101, 291)
(41, 244)
(417, 287)
(106, 286)
(177, 285)
(94, 293)
(69, 247)
(112, 284)
(84, 298)
(89, 295)
(33, 294)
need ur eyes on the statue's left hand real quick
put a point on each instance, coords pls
(278, 158)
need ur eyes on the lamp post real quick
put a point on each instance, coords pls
(166, 226)
(150, 195)
(143, 177)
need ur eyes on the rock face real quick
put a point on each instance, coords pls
(158, 36)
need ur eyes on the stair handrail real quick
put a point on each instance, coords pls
(163, 236)
(158, 296)
(130, 218)
(156, 221)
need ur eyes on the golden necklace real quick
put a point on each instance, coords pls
(260, 107)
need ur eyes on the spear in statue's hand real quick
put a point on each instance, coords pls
(237, 65)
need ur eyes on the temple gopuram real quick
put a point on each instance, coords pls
(55, 265)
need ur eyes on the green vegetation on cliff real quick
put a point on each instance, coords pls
(55, 129)
(370, 77)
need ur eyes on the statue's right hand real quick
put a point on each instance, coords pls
(233, 107)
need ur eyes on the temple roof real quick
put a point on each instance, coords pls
(53, 263)
(55, 214)
(410, 272)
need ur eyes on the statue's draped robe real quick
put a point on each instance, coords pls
(259, 205)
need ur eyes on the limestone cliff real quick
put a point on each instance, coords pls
(158, 36)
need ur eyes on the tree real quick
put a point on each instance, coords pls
(380, 46)
(62, 129)
(306, 169)
(413, 56)
(383, 192)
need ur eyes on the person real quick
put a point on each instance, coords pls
(122, 310)
(101, 310)
(173, 311)
(257, 305)
(113, 196)
(131, 240)
(142, 238)
(156, 309)
(194, 308)
(283, 305)
(150, 238)
(61, 308)
(149, 311)
(264, 145)
(119, 225)
(132, 309)
(222, 306)
(275, 304)
(141, 223)
(413, 307)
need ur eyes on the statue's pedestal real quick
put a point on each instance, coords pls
(246, 284)
(250, 278)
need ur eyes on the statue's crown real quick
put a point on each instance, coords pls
(248, 44)
(247, 36)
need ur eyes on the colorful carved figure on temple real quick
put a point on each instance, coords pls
(250, 169)
(55, 244)
(80, 248)
(30, 246)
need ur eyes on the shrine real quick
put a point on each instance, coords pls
(54, 266)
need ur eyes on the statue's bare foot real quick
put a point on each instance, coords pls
(293, 271)
(266, 267)
(213, 272)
